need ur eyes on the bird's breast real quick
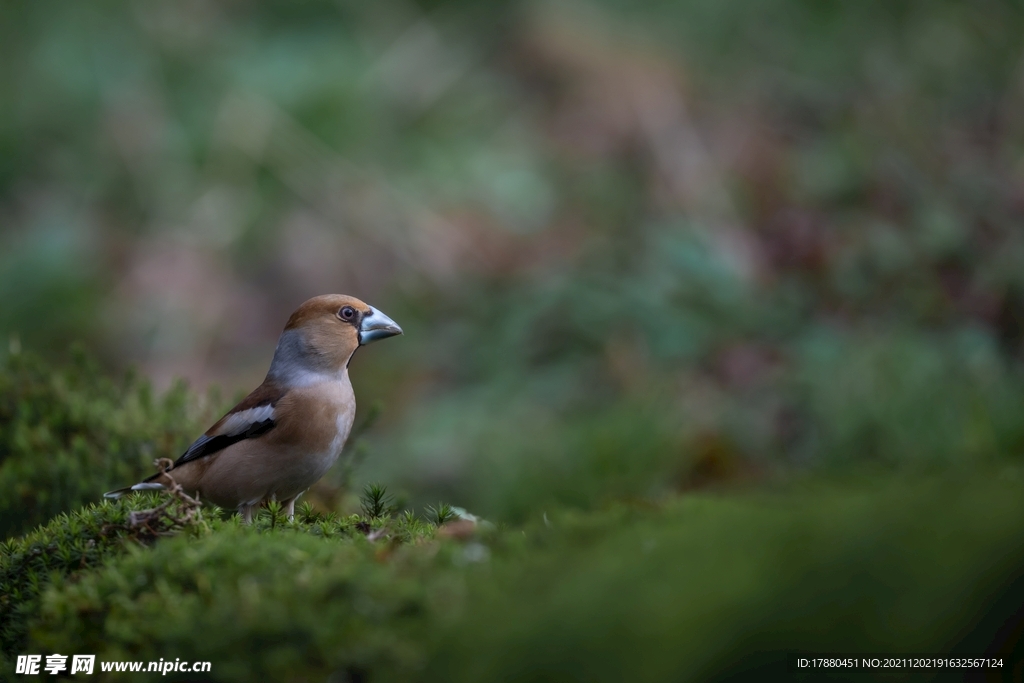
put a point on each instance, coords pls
(315, 423)
(331, 409)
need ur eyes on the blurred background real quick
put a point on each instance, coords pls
(636, 248)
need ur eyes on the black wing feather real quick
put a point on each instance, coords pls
(208, 445)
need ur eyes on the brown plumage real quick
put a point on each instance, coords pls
(286, 434)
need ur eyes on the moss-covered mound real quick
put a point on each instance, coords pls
(127, 590)
(68, 433)
(263, 606)
(697, 587)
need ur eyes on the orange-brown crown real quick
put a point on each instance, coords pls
(326, 307)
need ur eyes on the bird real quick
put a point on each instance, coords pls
(284, 436)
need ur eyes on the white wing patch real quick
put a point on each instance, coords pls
(239, 422)
(148, 486)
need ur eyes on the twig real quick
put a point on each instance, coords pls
(189, 512)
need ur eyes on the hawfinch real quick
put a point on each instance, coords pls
(287, 433)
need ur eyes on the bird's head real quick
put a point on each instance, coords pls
(324, 332)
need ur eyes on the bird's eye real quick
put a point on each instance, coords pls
(347, 313)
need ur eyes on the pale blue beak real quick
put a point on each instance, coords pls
(377, 326)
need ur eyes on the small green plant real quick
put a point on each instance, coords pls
(376, 501)
(440, 514)
(274, 512)
(307, 514)
(407, 527)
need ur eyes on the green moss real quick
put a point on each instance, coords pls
(67, 434)
(98, 550)
(696, 587)
(69, 544)
(263, 607)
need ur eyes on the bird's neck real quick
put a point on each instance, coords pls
(297, 363)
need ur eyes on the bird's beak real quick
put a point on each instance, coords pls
(376, 326)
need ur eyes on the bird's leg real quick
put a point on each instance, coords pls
(289, 507)
(246, 512)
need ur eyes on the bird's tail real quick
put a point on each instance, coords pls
(145, 485)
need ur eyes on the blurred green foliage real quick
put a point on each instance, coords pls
(69, 434)
(633, 247)
(714, 587)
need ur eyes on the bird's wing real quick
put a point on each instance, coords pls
(254, 416)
